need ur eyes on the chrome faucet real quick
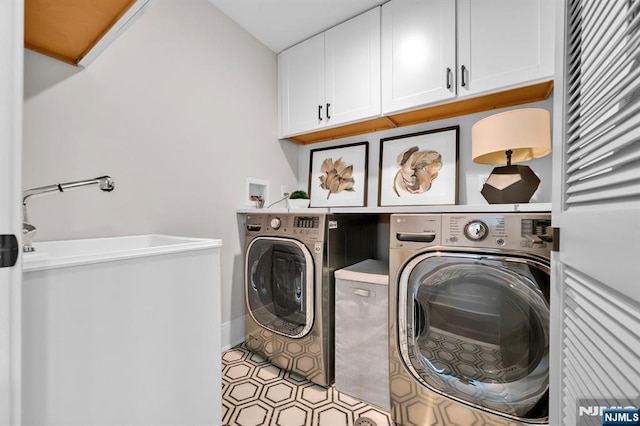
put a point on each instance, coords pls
(105, 183)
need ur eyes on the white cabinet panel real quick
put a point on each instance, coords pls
(418, 53)
(352, 55)
(301, 86)
(489, 45)
(503, 43)
(332, 78)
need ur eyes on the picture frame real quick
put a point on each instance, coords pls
(419, 169)
(338, 176)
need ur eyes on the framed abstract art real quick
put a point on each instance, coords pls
(419, 169)
(338, 176)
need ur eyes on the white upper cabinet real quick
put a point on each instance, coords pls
(500, 44)
(332, 78)
(418, 53)
(503, 43)
(352, 69)
(301, 86)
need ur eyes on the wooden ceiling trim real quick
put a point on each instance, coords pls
(69, 29)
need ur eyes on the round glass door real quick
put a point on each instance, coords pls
(476, 329)
(279, 285)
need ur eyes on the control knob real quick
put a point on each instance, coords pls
(476, 230)
(276, 222)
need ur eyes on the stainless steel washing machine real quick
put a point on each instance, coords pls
(290, 260)
(469, 318)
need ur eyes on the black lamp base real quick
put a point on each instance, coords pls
(510, 184)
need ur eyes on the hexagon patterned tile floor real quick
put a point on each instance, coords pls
(255, 392)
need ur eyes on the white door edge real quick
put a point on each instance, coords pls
(11, 99)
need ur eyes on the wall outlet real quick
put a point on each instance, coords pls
(283, 191)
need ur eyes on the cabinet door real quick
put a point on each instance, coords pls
(301, 86)
(352, 55)
(418, 53)
(503, 43)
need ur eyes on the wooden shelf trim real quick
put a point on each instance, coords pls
(372, 125)
(507, 98)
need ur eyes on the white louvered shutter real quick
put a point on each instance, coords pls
(596, 273)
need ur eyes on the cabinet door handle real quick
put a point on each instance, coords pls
(448, 78)
(319, 112)
(328, 116)
(463, 70)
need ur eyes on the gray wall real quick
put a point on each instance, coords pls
(179, 110)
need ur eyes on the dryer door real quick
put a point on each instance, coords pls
(279, 285)
(476, 329)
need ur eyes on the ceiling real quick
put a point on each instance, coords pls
(279, 24)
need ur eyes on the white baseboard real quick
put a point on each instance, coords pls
(232, 333)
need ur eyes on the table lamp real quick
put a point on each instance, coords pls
(516, 135)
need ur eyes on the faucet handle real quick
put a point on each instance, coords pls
(28, 232)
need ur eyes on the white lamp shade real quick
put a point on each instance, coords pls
(526, 132)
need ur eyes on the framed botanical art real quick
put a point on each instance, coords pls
(338, 176)
(419, 168)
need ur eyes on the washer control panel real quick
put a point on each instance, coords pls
(517, 231)
(308, 227)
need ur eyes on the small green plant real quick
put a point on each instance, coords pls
(299, 195)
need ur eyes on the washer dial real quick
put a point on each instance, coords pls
(276, 222)
(476, 230)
